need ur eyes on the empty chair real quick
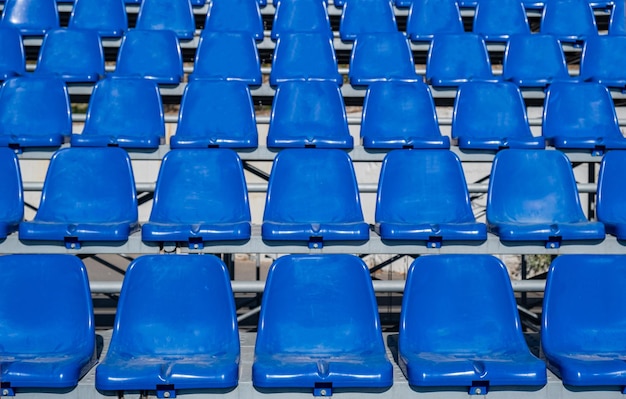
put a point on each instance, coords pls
(107, 17)
(492, 116)
(175, 15)
(428, 18)
(216, 114)
(187, 339)
(48, 338)
(400, 115)
(123, 112)
(150, 54)
(422, 196)
(581, 116)
(310, 16)
(457, 334)
(617, 23)
(295, 350)
(604, 61)
(532, 197)
(72, 55)
(12, 195)
(381, 57)
(304, 56)
(568, 20)
(455, 59)
(611, 194)
(235, 16)
(366, 17)
(497, 20)
(324, 180)
(200, 197)
(88, 196)
(13, 60)
(534, 61)
(34, 112)
(31, 17)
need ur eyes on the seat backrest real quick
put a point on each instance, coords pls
(107, 17)
(235, 16)
(13, 60)
(428, 18)
(454, 59)
(611, 194)
(568, 20)
(310, 16)
(31, 17)
(497, 20)
(617, 23)
(534, 60)
(604, 60)
(175, 15)
(12, 194)
(366, 17)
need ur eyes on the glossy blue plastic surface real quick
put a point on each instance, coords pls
(400, 115)
(227, 56)
(12, 194)
(175, 15)
(535, 60)
(31, 17)
(301, 16)
(48, 338)
(428, 18)
(107, 17)
(216, 114)
(532, 196)
(123, 112)
(73, 55)
(360, 17)
(617, 23)
(604, 61)
(13, 60)
(587, 351)
(200, 196)
(568, 20)
(455, 59)
(581, 116)
(88, 195)
(34, 112)
(150, 54)
(382, 57)
(319, 325)
(308, 114)
(459, 325)
(492, 116)
(497, 20)
(175, 325)
(235, 16)
(304, 56)
(611, 194)
(313, 196)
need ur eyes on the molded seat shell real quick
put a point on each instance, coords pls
(497, 20)
(428, 18)
(611, 194)
(13, 60)
(235, 16)
(31, 17)
(568, 20)
(302, 16)
(107, 17)
(604, 60)
(174, 15)
(12, 194)
(360, 17)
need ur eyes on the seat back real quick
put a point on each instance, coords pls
(303, 16)
(428, 18)
(366, 17)
(568, 20)
(617, 23)
(107, 17)
(13, 60)
(12, 195)
(235, 16)
(497, 20)
(534, 61)
(31, 17)
(611, 194)
(454, 59)
(604, 60)
(175, 15)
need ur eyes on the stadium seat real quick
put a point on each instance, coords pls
(455, 59)
(123, 112)
(88, 196)
(568, 20)
(75, 56)
(308, 114)
(611, 194)
(497, 20)
(34, 112)
(216, 114)
(13, 60)
(366, 17)
(200, 197)
(31, 17)
(175, 15)
(532, 197)
(604, 61)
(581, 116)
(324, 180)
(227, 56)
(107, 17)
(534, 61)
(12, 195)
(175, 328)
(235, 16)
(586, 351)
(457, 334)
(304, 56)
(297, 349)
(400, 115)
(382, 57)
(491, 116)
(428, 18)
(302, 16)
(150, 54)
(617, 23)
(422, 196)
(48, 338)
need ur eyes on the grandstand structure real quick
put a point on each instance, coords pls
(296, 198)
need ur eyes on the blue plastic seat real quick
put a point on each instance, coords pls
(88, 196)
(581, 116)
(533, 197)
(175, 15)
(235, 16)
(611, 195)
(107, 17)
(12, 195)
(13, 60)
(455, 59)
(617, 23)
(31, 17)
(422, 196)
(568, 20)
(428, 18)
(298, 350)
(497, 20)
(324, 180)
(34, 112)
(304, 56)
(457, 334)
(492, 116)
(534, 61)
(227, 56)
(175, 328)
(400, 115)
(310, 16)
(48, 340)
(360, 17)
(382, 57)
(216, 114)
(123, 112)
(604, 61)
(76, 56)
(150, 54)
(200, 197)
